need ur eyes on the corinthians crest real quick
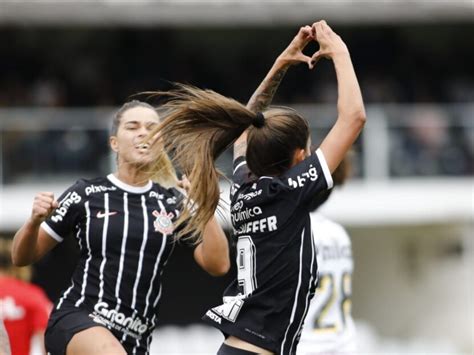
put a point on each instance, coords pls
(163, 222)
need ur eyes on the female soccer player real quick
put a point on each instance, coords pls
(125, 227)
(329, 327)
(273, 185)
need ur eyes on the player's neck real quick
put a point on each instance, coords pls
(132, 177)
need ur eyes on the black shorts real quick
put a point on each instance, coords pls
(230, 350)
(63, 324)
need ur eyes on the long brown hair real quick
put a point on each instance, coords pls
(200, 124)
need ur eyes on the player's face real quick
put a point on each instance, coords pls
(135, 125)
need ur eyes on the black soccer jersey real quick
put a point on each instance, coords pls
(125, 235)
(276, 257)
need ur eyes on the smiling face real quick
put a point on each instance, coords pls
(135, 125)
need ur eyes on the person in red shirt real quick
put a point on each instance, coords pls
(24, 307)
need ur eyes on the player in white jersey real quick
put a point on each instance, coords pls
(329, 327)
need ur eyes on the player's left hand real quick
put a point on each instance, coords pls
(293, 54)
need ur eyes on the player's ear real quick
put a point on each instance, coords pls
(113, 143)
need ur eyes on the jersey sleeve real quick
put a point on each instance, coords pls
(64, 219)
(306, 179)
(41, 310)
(240, 174)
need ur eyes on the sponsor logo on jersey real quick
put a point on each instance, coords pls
(117, 320)
(9, 310)
(92, 189)
(101, 214)
(156, 195)
(249, 195)
(268, 224)
(171, 200)
(245, 214)
(163, 222)
(70, 199)
(214, 317)
(301, 179)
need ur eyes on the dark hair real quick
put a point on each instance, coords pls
(270, 148)
(125, 107)
(200, 124)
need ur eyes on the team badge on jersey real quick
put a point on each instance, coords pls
(163, 222)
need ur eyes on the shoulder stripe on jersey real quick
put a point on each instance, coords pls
(140, 260)
(239, 165)
(308, 292)
(104, 245)
(295, 303)
(89, 257)
(122, 250)
(265, 177)
(324, 166)
(129, 188)
(51, 232)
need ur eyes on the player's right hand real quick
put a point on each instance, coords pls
(43, 205)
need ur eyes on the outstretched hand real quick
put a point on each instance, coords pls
(293, 54)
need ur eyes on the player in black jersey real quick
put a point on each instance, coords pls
(276, 176)
(125, 227)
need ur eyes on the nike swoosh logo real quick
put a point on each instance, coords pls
(103, 214)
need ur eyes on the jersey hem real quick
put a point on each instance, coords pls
(243, 335)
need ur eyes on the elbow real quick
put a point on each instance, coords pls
(359, 117)
(19, 262)
(220, 269)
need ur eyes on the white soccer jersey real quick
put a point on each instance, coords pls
(329, 327)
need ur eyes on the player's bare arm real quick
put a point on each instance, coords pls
(350, 106)
(263, 96)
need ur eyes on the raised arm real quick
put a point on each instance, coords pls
(31, 242)
(350, 106)
(263, 96)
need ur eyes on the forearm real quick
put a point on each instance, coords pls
(214, 249)
(263, 96)
(24, 244)
(350, 105)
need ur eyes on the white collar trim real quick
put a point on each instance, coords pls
(129, 188)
